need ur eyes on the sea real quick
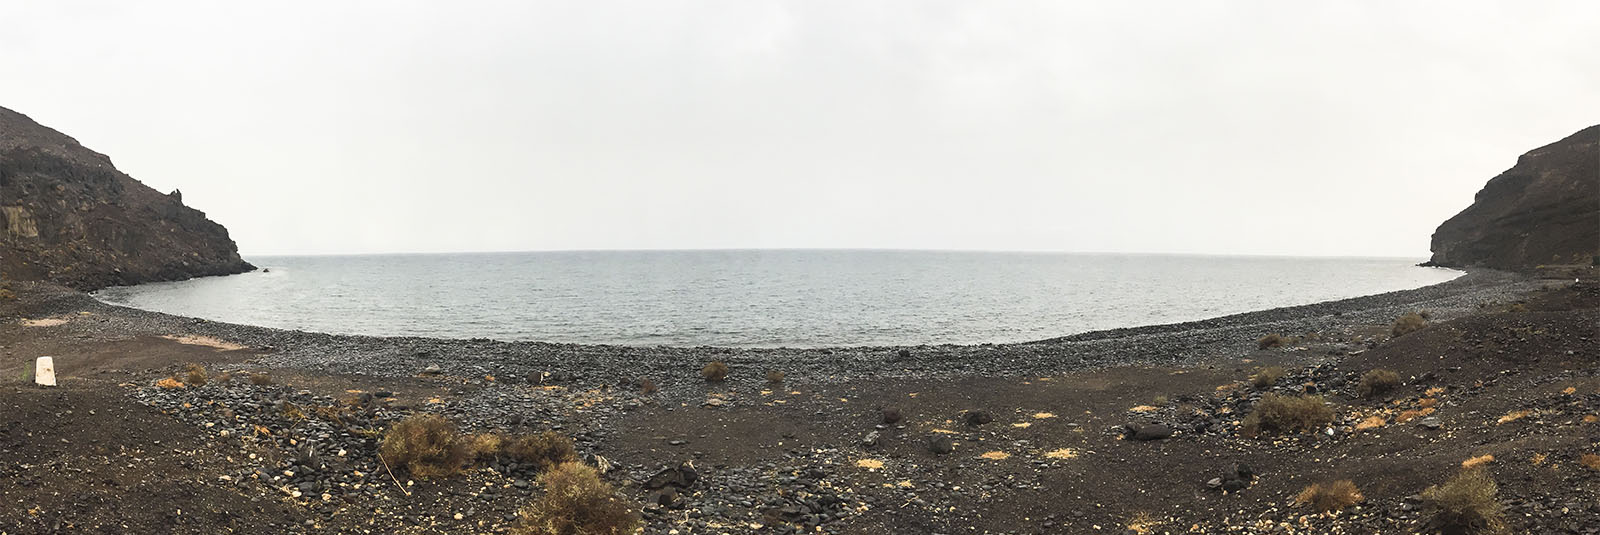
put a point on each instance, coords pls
(762, 298)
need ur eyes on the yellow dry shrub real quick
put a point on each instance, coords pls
(1330, 496)
(577, 502)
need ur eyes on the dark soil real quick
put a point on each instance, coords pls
(110, 452)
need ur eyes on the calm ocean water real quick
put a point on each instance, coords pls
(795, 298)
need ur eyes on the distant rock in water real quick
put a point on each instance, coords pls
(70, 217)
(1543, 211)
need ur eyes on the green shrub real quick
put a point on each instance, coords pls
(1378, 382)
(577, 502)
(425, 445)
(1280, 413)
(1407, 324)
(1467, 504)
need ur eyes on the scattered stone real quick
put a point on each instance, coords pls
(871, 440)
(1148, 432)
(432, 369)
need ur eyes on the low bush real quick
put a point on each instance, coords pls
(774, 378)
(1590, 461)
(577, 502)
(260, 379)
(194, 374)
(1266, 377)
(1280, 413)
(545, 450)
(484, 446)
(1331, 496)
(647, 387)
(1270, 341)
(716, 371)
(1466, 504)
(1407, 324)
(1378, 382)
(425, 445)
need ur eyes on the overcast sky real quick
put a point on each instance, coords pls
(1293, 128)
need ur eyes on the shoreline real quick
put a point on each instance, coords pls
(1163, 344)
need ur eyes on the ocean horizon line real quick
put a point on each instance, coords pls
(1419, 258)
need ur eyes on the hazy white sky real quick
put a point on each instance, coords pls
(1301, 128)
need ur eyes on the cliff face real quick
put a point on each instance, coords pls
(1543, 211)
(70, 217)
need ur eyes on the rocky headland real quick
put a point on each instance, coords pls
(72, 218)
(1544, 211)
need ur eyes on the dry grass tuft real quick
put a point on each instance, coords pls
(577, 502)
(647, 387)
(260, 379)
(545, 450)
(1371, 422)
(775, 377)
(483, 446)
(1378, 382)
(1280, 413)
(292, 411)
(1406, 324)
(426, 445)
(194, 374)
(715, 372)
(332, 413)
(1266, 377)
(1331, 496)
(1466, 504)
(1590, 461)
(169, 383)
(1272, 340)
(1476, 462)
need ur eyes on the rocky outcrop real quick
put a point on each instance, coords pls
(71, 218)
(1543, 211)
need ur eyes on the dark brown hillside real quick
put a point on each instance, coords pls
(70, 217)
(1543, 211)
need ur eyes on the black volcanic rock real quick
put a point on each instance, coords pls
(68, 216)
(1543, 211)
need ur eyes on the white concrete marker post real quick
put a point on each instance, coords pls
(44, 371)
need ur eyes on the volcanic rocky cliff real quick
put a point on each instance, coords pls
(70, 217)
(1543, 211)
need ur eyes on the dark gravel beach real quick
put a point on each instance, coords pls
(1126, 431)
(601, 364)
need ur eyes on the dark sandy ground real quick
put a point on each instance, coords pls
(1510, 370)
